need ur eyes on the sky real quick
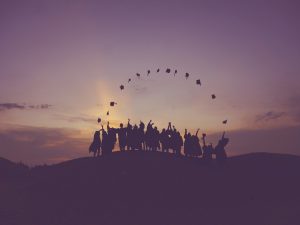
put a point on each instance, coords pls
(62, 62)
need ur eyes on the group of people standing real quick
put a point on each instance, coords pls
(169, 140)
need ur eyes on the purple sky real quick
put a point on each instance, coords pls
(61, 63)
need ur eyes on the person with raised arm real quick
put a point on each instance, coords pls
(129, 140)
(220, 152)
(105, 142)
(111, 134)
(197, 151)
(207, 149)
(187, 143)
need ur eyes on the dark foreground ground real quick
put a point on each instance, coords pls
(153, 188)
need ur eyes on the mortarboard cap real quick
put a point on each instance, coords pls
(112, 103)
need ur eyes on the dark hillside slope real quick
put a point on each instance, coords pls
(160, 189)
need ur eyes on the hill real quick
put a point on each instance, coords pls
(156, 188)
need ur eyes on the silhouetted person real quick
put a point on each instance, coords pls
(149, 136)
(220, 152)
(155, 139)
(196, 147)
(105, 142)
(207, 149)
(112, 138)
(129, 140)
(178, 142)
(141, 136)
(169, 137)
(95, 146)
(135, 139)
(163, 138)
(122, 137)
(187, 143)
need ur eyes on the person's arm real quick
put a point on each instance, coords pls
(223, 135)
(169, 126)
(203, 138)
(197, 132)
(185, 133)
(128, 123)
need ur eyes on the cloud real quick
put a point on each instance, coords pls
(10, 106)
(268, 116)
(35, 145)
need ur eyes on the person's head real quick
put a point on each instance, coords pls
(155, 128)
(121, 125)
(163, 130)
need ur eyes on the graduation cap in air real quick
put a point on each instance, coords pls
(175, 72)
(168, 70)
(148, 72)
(198, 82)
(187, 75)
(107, 113)
(213, 96)
(112, 103)
(129, 80)
(99, 120)
(224, 122)
(122, 87)
(157, 70)
(138, 75)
